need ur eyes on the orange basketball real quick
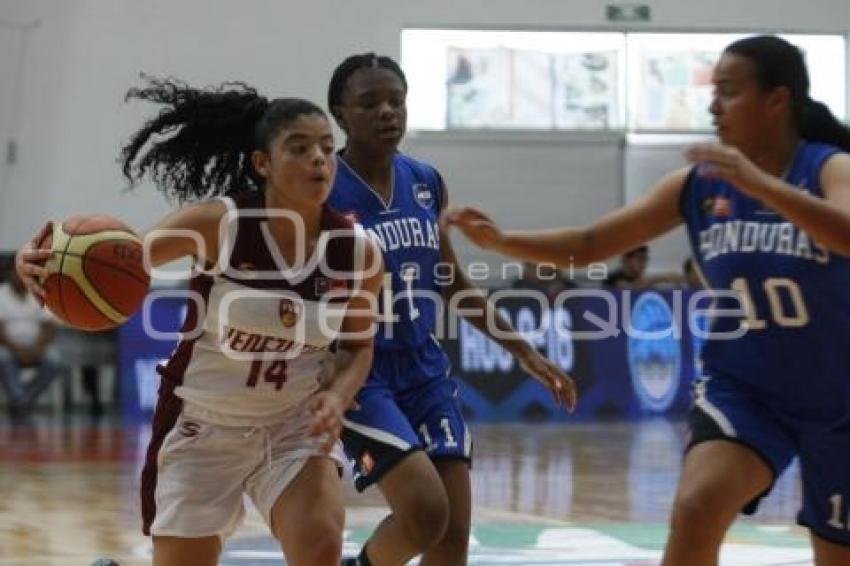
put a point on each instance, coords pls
(96, 276)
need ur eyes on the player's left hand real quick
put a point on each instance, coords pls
(326, 409)
(717, 161)
(561, 385)
(29, 262)
(329, 373)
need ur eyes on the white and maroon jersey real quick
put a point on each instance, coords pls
(257, 334)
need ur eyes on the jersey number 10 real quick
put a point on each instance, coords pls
(774, 288)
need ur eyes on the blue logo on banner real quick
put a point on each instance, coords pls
(654, 362)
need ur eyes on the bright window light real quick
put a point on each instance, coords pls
(669, 76)
(512, 79)
(641, 82)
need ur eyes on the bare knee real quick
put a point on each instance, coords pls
(316, 541)
(171, 551)
(425, 519)
(324, 551)
(456, 538)
(702, 512)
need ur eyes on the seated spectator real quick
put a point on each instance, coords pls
(632, 272)
(632, 267)
(26, 337)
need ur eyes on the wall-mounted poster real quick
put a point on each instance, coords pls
(531, 92)
(586, 90)
(674, 90)
(514, 88)
(478, 88)
(541, 80)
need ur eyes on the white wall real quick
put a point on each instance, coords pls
(86, 53)
(527, 178)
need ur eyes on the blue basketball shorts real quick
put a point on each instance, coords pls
(393, 421)
(725, 408)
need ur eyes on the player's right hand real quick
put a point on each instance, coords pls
(474, 224)
(30, 260)
(561, 385)
(326, 409)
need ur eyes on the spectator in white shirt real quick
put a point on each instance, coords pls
(26, 341)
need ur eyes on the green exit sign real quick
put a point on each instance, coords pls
(627, 12)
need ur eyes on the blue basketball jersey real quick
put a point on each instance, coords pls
(797, 292)
(407, 232)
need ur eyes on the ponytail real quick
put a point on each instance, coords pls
(818, 124)
(200, 143)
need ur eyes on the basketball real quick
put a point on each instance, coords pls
(96, 277)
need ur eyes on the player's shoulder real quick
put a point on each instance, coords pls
(348, 232)
(818, 154)
(204, 216)
(416, 166)
(819, 147)
(242, 199)
(332, 219)
(230, 209)
(212, 209)
(821, 161)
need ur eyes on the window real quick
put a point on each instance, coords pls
(528, 80)
(463, 79)
(669, 76)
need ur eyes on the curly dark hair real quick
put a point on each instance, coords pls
(200, 143)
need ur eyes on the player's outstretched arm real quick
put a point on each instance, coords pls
(472, 303)
(194, 230)
(616, 232)
(191, 231)
(827, 219)
(354, 353)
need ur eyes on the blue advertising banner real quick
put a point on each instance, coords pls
(145, 341)
(632, 354)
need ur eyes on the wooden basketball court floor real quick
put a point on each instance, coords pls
(565, 494)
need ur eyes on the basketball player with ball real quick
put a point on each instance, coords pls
(248, 401)
(95, 276)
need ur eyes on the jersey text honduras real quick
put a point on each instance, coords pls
(406, 230)
(793, 290)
